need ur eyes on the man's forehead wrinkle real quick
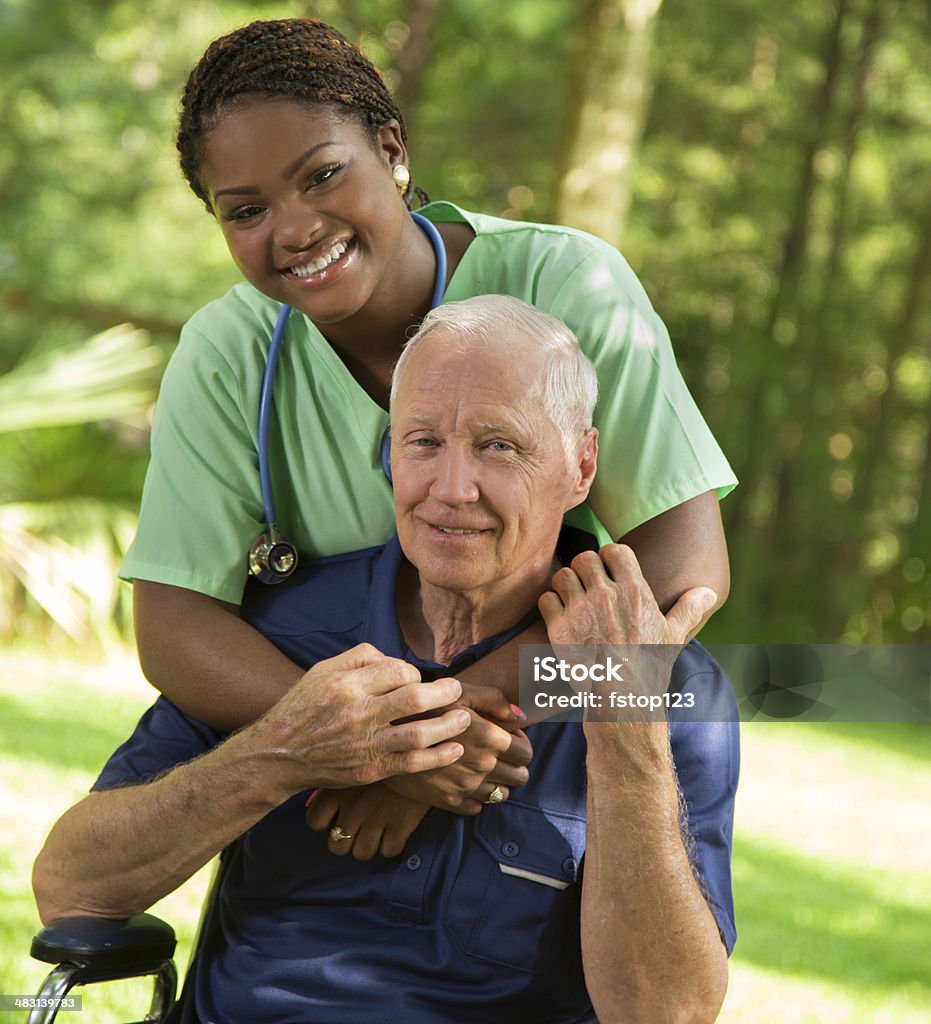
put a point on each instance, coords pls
(449, 379)
(422, 418)
(494, 426)
(481, 393)
(500, 403)
(512, 419)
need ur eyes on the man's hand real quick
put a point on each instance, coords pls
(336, 728)
(381, 817)
(601, 610)
(602, 598)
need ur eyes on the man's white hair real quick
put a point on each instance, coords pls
(570, 386)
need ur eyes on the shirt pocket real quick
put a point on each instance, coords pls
(517, 898)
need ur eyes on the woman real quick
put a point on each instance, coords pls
(295, 146)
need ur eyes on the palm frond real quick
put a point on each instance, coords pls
(113, 374)
(70, 473)
(73, 581)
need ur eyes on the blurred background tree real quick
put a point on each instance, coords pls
(767, 181)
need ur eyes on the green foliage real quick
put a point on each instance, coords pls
(782, 229)
(779, 222)
(70, 473)
(108, 377)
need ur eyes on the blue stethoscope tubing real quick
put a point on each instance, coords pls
(265, 406)
(271, 368)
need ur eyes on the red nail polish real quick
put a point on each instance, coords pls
(516, 711)
(312, 797)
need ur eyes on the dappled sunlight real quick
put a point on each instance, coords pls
(854, 800)
(808, 918)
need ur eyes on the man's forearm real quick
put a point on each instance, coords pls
(119, 851)
(650, 945)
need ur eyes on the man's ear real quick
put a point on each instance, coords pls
(584, 466)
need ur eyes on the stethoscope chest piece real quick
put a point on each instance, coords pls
(272, 557)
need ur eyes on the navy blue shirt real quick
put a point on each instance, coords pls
(454, 930)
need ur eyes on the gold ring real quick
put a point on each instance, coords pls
(336, 833)
(495, 796)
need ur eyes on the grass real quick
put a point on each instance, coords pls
(831, 875)
(61, 720)
(831, 853)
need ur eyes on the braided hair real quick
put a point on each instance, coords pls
(295, 58)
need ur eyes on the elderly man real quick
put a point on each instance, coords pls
(600, 890)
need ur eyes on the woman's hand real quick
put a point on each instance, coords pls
(497, 752)
(373, 818)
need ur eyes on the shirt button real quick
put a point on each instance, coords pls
(414, 862)
(510, 849)
(570, 866)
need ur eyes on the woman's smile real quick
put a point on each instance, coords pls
(310, 271)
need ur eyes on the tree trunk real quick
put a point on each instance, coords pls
(872, 30)
(411, 61)
(800, 510)
(610, 91)
(900, 341)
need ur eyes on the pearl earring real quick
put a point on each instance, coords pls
(401, 176)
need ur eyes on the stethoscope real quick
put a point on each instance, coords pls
(273, 557)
